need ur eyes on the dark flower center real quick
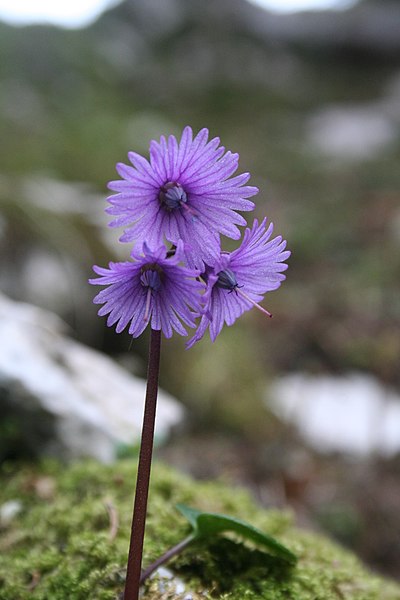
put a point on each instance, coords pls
(172, 195)
(227, 280)
(151, 277)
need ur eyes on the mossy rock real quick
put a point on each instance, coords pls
(64, 544)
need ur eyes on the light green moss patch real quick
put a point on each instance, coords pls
(60, 545)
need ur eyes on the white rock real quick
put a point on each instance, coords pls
(58, 197)
(168, 582)
(8, 511)
(352, 413)
(351, 132)
(48, 279)
(89, 402)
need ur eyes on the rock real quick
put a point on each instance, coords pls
(63, 398)
(351, 132)
(359, 28)
(168, 583)
(8, 511)
(352, 413)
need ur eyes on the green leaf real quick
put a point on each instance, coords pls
(206, 525)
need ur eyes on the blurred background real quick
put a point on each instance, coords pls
(304, 410)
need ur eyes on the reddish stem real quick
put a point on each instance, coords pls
(166, 557)
(134, 565)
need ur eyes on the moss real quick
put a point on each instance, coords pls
(60, 546)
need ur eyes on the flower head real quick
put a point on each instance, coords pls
(238, 280)
(153, 288)
(185, 192)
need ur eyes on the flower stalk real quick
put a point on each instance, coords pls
(134, 565)
(164, 558)
(174, 207)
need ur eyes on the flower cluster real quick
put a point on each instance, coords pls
(174, 208)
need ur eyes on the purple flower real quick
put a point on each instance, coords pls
(153, 289)
(185, 192)
(238, 280)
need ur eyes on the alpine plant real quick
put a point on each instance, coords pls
(174, 207)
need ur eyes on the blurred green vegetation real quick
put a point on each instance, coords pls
(73, 103)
